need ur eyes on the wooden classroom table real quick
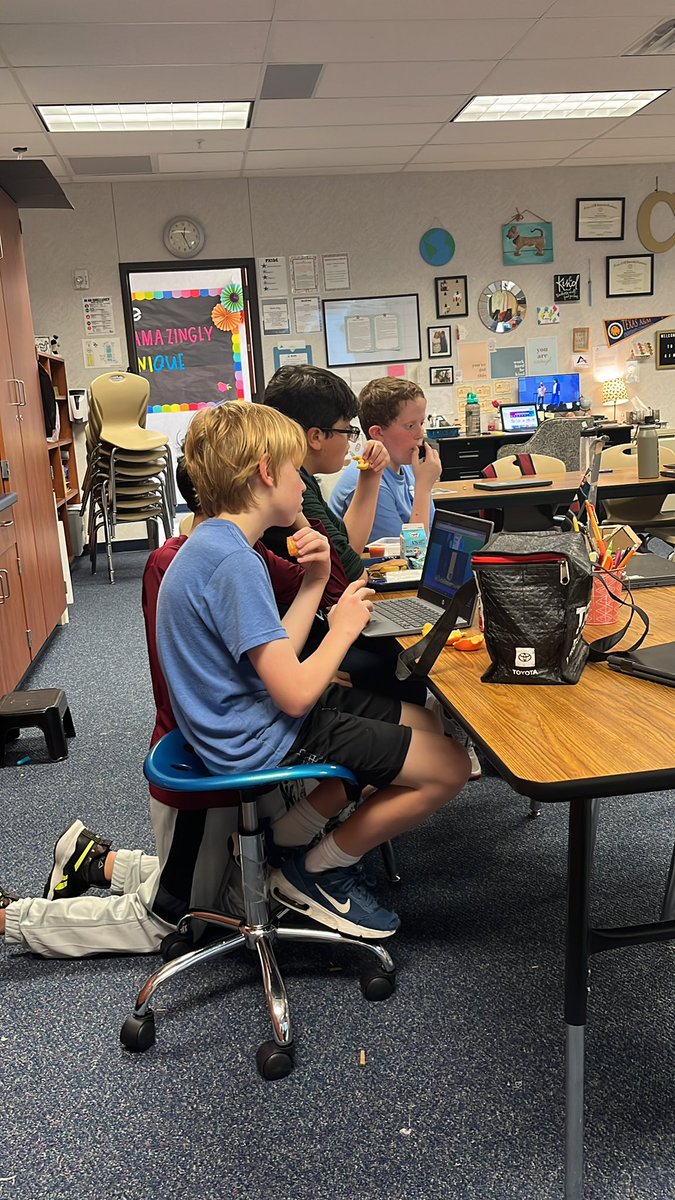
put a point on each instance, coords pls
(532, 507)
(536, 737)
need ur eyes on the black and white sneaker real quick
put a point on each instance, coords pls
(78, 865)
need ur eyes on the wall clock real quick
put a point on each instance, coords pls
(184, 237)
(502, 306)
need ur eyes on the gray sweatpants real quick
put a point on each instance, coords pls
(124, 922)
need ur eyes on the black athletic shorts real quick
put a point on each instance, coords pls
(354, 729)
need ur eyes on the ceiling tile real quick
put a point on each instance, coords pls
(82, 45)
(9, 92)
(654, 9)
(494, 165)
(393, 41)
(199, 164)
(292, 171)
(589, 74)
(580, 38)
(488, 151)
(150, 142)
(288, 114)
(38, 144)
(359, 156)
(104, 84)
(19, 118)
(394, 10)
(409, 79)
(341, 135)
(470, 133)
(639, 126)
(150, 11)
(665, 146)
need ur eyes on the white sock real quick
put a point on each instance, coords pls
(299, 825)
(328, 856)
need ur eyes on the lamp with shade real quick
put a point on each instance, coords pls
(614, 392)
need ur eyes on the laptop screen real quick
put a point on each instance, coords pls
(517, 418)
(453, 539)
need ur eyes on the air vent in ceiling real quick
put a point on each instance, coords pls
(123, 164)
(660, 40)
(290, 81)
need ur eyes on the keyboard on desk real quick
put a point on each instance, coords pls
(411, 612)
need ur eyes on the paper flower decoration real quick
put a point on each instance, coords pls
(222, 319)
(232, 297)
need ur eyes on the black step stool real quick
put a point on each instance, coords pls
(48, 709)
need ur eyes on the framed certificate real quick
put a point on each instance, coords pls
(630, 275)
(600, 220)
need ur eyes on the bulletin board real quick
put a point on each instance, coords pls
(372, 330)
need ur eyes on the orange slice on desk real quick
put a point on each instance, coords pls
(469, 642)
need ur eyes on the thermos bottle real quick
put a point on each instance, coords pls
(472, 415)
(647, 442)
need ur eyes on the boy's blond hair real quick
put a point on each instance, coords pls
(381, 400)
(224, 446)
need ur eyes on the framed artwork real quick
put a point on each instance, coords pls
(600, 220)
(527, 242)
(566, 288)
(665, 349)
(580, 339)
(630, 275)
(502, 306)
(439, 338)
(452, 298)
(441, 376)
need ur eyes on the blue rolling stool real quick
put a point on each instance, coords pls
(172, 764)
(47, 709)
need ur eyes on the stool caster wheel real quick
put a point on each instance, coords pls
(377, 984)
(175, 945)
(274, 1062)
(138, 1033)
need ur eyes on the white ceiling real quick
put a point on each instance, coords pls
(394, 75)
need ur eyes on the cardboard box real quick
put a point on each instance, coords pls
(620, 537)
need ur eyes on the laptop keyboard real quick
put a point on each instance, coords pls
(407, 612)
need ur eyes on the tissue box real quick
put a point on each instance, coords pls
(414, 544)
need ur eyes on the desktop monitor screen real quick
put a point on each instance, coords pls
(517, 418)
(550, 391)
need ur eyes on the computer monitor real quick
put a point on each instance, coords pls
(518, 418)
(550, 392)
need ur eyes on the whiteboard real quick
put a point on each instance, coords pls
(372, 329)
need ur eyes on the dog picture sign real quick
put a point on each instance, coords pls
(526, 242)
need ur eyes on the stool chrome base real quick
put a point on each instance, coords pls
(258, 931)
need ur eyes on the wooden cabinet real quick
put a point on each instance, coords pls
(62, 461)
(24, 457)
(16, 656)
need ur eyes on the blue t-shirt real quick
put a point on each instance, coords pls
(394, 503)
(215, 603)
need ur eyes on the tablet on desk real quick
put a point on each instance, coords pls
(503, 485)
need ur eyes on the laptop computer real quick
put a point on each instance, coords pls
(656, 663)
(453, 539)
(650, 570)
(518, 418)
(511, 485)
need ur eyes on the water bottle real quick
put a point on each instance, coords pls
(472, 415)
(647, 442)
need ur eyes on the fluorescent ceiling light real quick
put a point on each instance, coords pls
(556, 106)
(197, 114)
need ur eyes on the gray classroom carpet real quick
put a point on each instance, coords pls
(461, 1095)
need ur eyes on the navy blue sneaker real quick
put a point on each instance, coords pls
(337, 899)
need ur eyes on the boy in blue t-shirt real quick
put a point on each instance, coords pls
(393, 411)
(245, 700)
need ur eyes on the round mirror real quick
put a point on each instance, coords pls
(502, 306)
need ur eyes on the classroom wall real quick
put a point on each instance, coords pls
(377, 220)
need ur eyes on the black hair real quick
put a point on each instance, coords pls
(311, 396)
(186, 486)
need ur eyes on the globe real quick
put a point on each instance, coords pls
(437, 247)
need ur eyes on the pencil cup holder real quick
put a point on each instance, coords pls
(605, 606)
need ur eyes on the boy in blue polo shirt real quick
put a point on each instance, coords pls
(244, 699)
(393, 411)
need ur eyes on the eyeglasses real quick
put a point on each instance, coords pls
(353, 433)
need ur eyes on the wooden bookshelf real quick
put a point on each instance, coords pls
(62, 459)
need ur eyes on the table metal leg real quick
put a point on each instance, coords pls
(582, 825)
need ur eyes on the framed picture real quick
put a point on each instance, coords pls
(566, 288)
(452, 298)
(600, 220)
(527, 242)
(665, 349)
(441, 376)
(580, 339)
(630, 275)
(439, 338)
(43, 345)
